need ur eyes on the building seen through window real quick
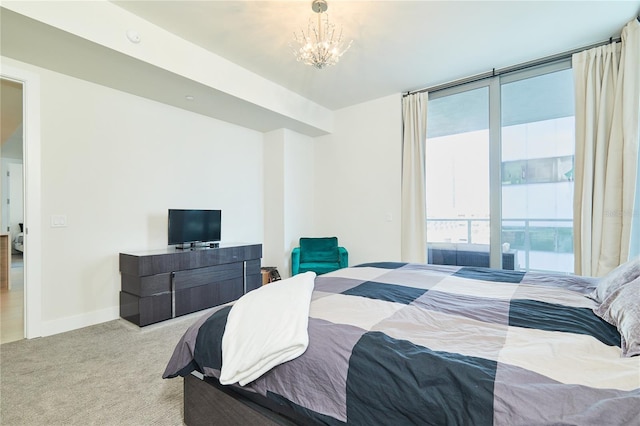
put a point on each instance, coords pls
(536, 171)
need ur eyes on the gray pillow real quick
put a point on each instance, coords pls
(622, 310)
(615, 279)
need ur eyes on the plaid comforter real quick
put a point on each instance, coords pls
(397, 343)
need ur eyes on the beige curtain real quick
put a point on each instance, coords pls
(607, 89)
(414, 231)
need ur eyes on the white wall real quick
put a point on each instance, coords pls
(113, 163)
(12, 214)
(274, 199)
(11, 153)
(358, 171)
(299, 179)
(16, 198)
(289, 195)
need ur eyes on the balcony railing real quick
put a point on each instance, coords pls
(542, 244)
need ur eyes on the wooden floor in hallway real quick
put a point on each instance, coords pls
(12, 304)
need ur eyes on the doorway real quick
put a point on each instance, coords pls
(12, 299)
(32, 177)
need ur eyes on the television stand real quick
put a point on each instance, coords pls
(197, 245)
(163, 284)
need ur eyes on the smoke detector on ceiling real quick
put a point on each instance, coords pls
(133, 36)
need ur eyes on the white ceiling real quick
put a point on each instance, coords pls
(397, 45)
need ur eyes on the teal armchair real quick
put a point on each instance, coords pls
(320, 255)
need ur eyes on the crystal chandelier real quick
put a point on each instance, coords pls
(321, 45)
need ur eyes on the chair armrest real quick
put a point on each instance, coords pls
(344, 257)
(295, 261)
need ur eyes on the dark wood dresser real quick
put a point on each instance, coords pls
(163, 284)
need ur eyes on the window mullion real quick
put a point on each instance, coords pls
(495, 178)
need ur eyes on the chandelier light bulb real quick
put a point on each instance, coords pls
(321, 44)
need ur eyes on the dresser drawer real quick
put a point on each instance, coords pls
(203, 276)
(145, 310)
(194, 299)
(146, 285)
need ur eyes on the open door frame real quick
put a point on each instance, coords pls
(32, 198)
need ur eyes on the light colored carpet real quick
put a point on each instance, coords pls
(107, 374)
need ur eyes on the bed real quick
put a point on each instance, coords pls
(400, 343)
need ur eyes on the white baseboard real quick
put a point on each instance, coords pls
(75, 322)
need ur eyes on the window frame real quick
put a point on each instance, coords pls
(494, 85)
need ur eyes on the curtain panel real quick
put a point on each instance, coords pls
(414, 139)
(607, 89)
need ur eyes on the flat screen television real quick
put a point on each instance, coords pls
(194, 227)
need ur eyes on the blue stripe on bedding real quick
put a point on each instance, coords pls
(552, 317)
(208, 351)
(395, 382)
(488, 274)
(384, 265)
(387, 292)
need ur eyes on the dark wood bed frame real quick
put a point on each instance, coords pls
(206, 402)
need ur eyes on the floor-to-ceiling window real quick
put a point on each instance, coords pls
(457, 165)
(538, 146)
(499, 163)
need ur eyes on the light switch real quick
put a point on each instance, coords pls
(59, 221)
(388, 217)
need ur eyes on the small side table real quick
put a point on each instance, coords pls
(269, 274)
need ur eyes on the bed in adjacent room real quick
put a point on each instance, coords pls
(401, 343)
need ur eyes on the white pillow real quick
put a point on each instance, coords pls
(622, 309)
(615, 279)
